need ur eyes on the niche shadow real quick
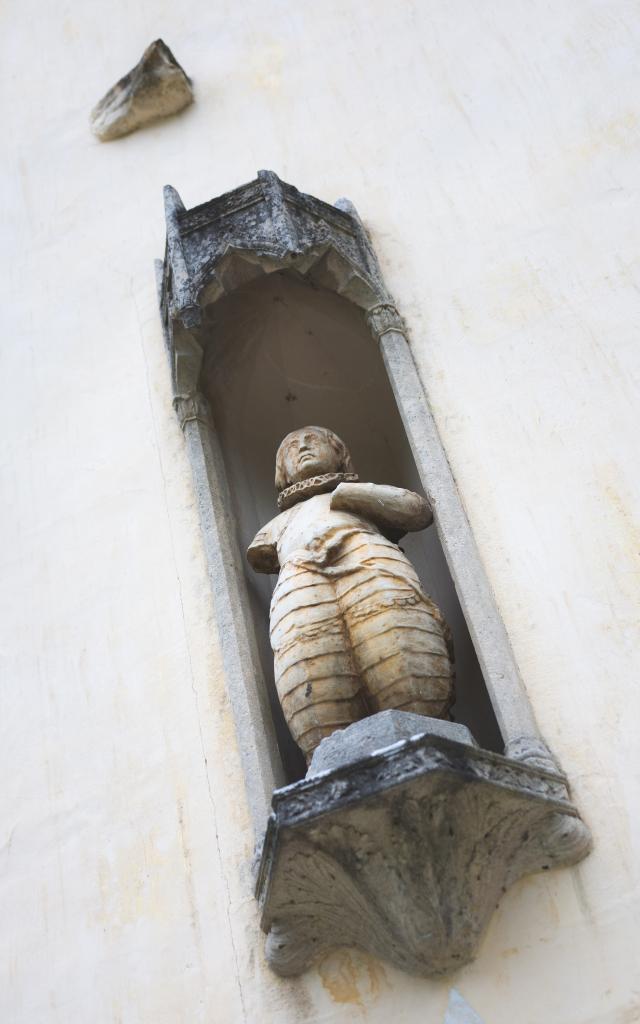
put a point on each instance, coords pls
(283, 353)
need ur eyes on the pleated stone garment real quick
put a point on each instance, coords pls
(352, 631)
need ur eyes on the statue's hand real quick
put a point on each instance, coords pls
(392, 508)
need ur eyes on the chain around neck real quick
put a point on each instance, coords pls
(314, 485)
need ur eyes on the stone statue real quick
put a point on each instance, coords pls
(352, 631)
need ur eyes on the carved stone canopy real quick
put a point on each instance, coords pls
(259, 228)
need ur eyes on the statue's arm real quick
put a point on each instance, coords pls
(262, 553)
(391, 508)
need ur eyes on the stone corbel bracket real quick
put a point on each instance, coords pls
(406, 853)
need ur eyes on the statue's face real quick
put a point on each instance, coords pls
(308, 453)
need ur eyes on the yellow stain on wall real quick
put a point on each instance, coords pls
(618, 133)
(352, 977)
(130, 883)
(265, 66)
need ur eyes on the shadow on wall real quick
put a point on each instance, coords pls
(282, 354)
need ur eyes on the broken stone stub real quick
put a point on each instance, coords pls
(155, 88)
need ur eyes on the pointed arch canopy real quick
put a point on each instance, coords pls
(257, 229)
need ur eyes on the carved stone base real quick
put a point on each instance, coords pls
(406, 853)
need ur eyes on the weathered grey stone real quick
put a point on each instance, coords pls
(261, 227)
(155, 88)
(406, 853)
(376, 733)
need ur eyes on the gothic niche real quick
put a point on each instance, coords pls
(385, 721)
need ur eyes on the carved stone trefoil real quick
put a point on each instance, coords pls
(384, 317)
(157, 87)
(191, 408)
(406, 853)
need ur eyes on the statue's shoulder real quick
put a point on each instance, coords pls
(276, 526)
(262, 553)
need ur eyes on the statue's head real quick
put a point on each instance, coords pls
(308, 452)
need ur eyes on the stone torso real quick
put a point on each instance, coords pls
(312, 531)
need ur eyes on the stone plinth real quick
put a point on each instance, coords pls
(377, 732)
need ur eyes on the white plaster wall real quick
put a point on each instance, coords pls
(493, 150)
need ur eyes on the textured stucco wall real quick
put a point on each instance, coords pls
(493, 151)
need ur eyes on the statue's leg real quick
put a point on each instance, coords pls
(318, 685)
(397, 635)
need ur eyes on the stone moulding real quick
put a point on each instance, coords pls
(406, 853)
(417, 843)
